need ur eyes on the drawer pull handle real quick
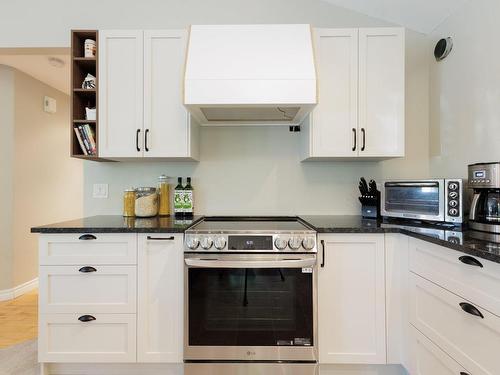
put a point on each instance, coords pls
(87, 237)
(87, 269)
(471, 309)
(470, 261)
(161, 238)
(86, 318)
(464, 373)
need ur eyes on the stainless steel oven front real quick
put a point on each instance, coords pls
(250, 307)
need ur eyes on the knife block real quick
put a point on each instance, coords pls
(370, 206)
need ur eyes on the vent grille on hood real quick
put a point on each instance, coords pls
(250, 74)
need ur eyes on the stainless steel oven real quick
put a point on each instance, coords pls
(250, 300)
(440, 200)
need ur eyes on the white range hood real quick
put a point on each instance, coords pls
(250, 74)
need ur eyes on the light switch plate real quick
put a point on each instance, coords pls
(100, 191)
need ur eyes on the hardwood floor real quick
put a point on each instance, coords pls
(19, 319)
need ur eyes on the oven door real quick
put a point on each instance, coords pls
(249, 307)
(422, 200)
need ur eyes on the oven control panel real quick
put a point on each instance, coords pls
(283, 242)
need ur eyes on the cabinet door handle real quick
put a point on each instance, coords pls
(86, 318)
(87, 269)
(146, 140)
(322, 253)
(363, 132)
(149, 238)
(87, 237)
(354, 146)
(464, 373)
(471, 309)
(470, 261)
(137, 140)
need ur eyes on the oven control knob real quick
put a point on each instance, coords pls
(453, 203)
(280, 243)
(453, 186)
(294, 243)
(192, 243)
(453, 212)
(453, 195)
(220, 243)
(206, 243)
(308, 243)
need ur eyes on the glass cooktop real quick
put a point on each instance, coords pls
(243, 224)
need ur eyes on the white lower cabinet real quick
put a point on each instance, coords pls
(429, 359)
(467, 332)
(161, 298)
(351, 299)
(87, 337)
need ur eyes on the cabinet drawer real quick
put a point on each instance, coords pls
(108, 338)
(469, 339)
(100, 289)
(428, 359)
(478, 283)
(86, 248)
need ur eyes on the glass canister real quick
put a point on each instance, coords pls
(164, 195)
(129, 202)
(146, 202)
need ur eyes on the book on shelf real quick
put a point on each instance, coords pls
(86, 138)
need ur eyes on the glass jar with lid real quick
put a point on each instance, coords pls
(129, 202)
(146, 202)
(164, 195)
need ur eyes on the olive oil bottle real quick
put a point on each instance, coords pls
(179, 199)
(188, 200)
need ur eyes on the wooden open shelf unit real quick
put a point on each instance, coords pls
(81, 98)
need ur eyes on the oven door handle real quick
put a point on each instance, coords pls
(217, 263)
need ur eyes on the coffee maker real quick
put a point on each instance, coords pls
(484, 179)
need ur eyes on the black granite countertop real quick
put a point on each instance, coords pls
(463, 240)
(119, 224)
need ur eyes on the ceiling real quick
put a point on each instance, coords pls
(37, 65)
(419, 15)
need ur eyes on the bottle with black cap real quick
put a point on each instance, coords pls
(188, 201)
(179, 199)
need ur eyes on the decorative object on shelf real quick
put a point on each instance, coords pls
(164, 195)
(89, 82)
(90, 48)
(90, 114)
(146, 202)
(129, 202)
(370, 199)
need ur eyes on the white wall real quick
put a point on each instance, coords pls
(6, 161)
(42, 183)
(465, 91)
(241, 170)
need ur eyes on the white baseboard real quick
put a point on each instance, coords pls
(8, 294)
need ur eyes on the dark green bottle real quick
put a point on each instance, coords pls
(179, 199)
(188, 202)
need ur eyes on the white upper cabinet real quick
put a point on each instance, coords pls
(361, 80)
(381, 92)
(334, 121)
(120, 93)
(351, 299)
(140, 96)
